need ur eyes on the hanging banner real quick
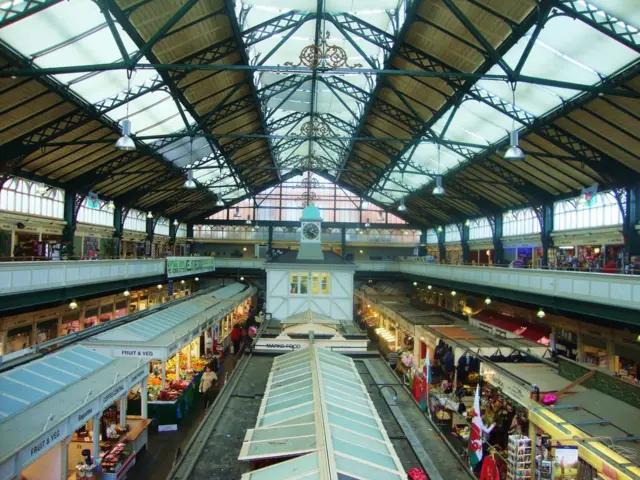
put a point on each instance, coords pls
(181, 266)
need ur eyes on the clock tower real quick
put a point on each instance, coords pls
(311, 231)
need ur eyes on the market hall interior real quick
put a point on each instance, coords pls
(261, 239)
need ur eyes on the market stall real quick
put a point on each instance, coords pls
(170, 339)
(69, 408)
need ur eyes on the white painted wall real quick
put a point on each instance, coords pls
(338, 304)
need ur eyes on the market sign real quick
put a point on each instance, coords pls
(150, 353)
(509, 387)
(181, 266)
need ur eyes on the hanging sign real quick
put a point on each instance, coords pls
(83, 415)
(138, 377)
(181, 266)
(112, 395)
(509, 387)
(149, 353)
(42, 444)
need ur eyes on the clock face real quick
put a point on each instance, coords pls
(310, 231)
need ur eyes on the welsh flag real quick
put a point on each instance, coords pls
(475, 438)
(426, 380)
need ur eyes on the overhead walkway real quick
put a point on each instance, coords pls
(609, 296)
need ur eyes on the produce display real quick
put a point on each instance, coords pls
(112, 459)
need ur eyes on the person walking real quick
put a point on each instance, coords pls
(207, 381)
(236, 333)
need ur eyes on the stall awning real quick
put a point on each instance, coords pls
(531, 331)
(46, 400)
(161, 334)
(316, 407)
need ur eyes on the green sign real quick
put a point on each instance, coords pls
(180, 266)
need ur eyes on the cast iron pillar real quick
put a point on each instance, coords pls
(343, 241)
(631, 218)
(70, 216)
(269, 238)
(442, 251)
(546, 227)
(464, 240)
(498, 248)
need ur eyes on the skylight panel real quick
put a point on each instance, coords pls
(109, 84)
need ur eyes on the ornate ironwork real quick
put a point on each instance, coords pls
(323, 55)
(316, 127)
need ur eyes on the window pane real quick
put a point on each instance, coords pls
(315, 284)
(294, 284)
(303, 284)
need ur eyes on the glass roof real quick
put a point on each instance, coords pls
(310, 388)
(24, 386)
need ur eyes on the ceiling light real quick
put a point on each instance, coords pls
(514, 153)
(487, 301)
(190, 184)
(236, 214)
(111, 206)
(197, 279)
(541, 313)
(242, 279)
(402, 207)
(361, 252)
(159, 287)
(439, 228)
(42, 189)
(365, 204)
(125, 142)
(73, 305)
(244, 249)
(367, 225)
(453, 293)
(149, 214)
(438, 189)
(467, 223)
(219, 202)
(182, 282)
(176, 223)
(429, 287)
(415, 284)
(248, 221)
(126, 293)
(405, 232)
(380, 216)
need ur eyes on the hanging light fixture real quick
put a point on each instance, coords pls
(415, 284)
(514, 153)
(219, 202)
(236, 214)
(248, 222)
(125, 142)
(126, 293)
(365, 204)
(149, 214)
(182, 282)
(73, 305)
(439, 228)
(367, 225)
(541, 313)
(402, 207)
(176, 223)
(429, 287)
(197, 279)
(111, 206)
(159, 287)
(467, 223)
(487, 301)
(454, 293)
(438, 189)
(380, 216)
(242, 279)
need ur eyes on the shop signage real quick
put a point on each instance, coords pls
(138, 377)
(138, 352)
(42, 444)
(83, 415)
(109, 397)
(180, 266)
(509, 387)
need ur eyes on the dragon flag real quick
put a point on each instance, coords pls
(475, 437)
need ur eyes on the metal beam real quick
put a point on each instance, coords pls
(15, 10)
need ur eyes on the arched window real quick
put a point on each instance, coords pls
(479, 229)
(520, 222)
(577, 213)
(432, 237)
(452, 233)
(182, 231)
(136, 221)
(31, 198)
(102, 215)
(162, 227)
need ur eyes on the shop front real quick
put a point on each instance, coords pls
(522, 252)
(593, 250)
(71, 417)
(481, 253)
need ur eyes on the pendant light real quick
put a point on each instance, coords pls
(367, 225)
(365, 204)
(541, 313)
(190, 184)
(176, 223)
(126, 293)
(42, 189)
(380, 216)
(219, 202)
(125, 142)
(514, 152)
(402, 207)
(149, 215)
(248, 222)
(237, 212)
(439, 189)
(111, 206)
(73, 305)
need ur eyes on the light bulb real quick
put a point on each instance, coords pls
(248, 221)
(111, 206)
(149, 215)
(159, 287)
(429, 287)
(125, 142)
(197, 279)
(219, 202)
(242, 279)
(415, 284)
(182, 282)
(176, 223)
(367, 225)
(487, 301)
(126, 293)
(237, 212)
(73, 305)
(541, 313)
(439, 189)
(514, 153)
(190, 184)
(453, 293)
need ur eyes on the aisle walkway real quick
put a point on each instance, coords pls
(156, 462)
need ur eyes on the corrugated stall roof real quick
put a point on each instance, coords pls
(25, 386)
(317, 406)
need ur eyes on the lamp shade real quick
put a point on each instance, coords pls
(125, 142)
(514, 153)
(438, 189)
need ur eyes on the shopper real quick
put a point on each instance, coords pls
(236, 333)
(207, 382)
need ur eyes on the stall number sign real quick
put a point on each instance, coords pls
(138, 377)
(110, 397)
(41, 445)
(509, 387)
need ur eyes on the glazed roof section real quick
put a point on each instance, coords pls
(316, 407)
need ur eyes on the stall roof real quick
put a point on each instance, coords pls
(317, 408)
(74, 378)
(600, 415)
(163, 328)
(310, 317)
(545, 377)
(34, 382)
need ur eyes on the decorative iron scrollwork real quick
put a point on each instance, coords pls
(323, 55)
(316, 127)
